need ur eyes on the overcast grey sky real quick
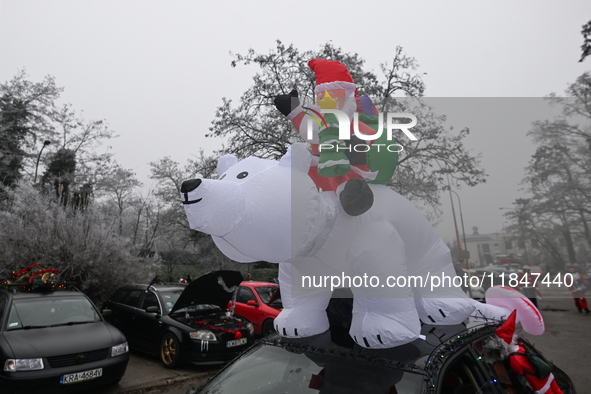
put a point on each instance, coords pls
(157, 70)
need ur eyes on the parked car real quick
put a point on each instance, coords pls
(474, 291)
(57, 341)
(535, 270)
(260, 303)
(450, 359)
(477, 293)
(182, 323)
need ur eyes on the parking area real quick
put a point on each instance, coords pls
(563, 342)
(146, 374)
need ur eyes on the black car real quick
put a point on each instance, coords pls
(183, 323)
(449, 359)
(57, 341)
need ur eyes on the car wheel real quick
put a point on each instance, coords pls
(267, 327)
(170, 350)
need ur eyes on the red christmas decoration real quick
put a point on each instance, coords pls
(237, 334)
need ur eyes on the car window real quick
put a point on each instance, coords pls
(266, 292)
(270, 370)
(132, 297)
(169, 298)
(488, 354)
(44, 312)
(148, 300)
(463, 375)
(119, 295)
(245, 295)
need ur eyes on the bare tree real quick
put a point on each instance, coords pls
(119, 184)
(255, 128)
(83, 245)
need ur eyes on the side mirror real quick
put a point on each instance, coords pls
(106, 312)
(252, 303)
(153, 309)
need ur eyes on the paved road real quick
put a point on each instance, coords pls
(567, 342)
(145, 374)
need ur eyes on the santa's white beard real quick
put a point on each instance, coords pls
(350, 107)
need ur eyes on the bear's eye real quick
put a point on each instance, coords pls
(222, 177)
(242, 175)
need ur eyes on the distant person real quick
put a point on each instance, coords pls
(578, 290)
(528, 289)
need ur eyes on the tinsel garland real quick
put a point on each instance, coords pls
(38, 276)
(237, 334)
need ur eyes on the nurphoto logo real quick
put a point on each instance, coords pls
(345, 133)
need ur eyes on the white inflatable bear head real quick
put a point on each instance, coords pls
(258, 210)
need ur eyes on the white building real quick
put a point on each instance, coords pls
(485, 249)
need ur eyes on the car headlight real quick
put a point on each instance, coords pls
(118, 350)
(24, 364)
(250, 328)
(203, 335)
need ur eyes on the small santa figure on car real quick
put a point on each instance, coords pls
(520, 363)
(344, 166)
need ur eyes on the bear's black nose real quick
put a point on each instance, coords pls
(190, 185)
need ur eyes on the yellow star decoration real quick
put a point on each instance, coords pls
(328, 102)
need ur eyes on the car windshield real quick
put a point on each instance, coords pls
(49, 312)
(271, 369)
(266, 292)
(170, 298)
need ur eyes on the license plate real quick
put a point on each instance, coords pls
(81, 376)
(236, 342)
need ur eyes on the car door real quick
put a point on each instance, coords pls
(118, 317)
(250, 312)
(148, 325)
(124, 313)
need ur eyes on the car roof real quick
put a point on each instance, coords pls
(20, 295)
(160, 286)
(255, 283)
(338, 340)
(439, 342)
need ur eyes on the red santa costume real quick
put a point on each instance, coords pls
(331, 76)
(520, 364)
(579, 281)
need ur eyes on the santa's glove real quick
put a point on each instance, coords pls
(286, 103)
(356, 198)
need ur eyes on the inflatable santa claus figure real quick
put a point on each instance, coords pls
(520, 363)
(345, 166)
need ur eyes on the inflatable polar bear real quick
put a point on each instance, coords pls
(266, 210)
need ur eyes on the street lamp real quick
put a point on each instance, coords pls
(453, 212)
(45, 143)
(461, 219)
(463, 236)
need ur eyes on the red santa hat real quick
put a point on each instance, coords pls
(507, 329)
(331, 74)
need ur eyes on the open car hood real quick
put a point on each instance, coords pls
(215, 288)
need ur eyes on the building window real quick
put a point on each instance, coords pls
(509, 244)
(485, 248)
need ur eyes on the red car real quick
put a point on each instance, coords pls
(260, 303)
